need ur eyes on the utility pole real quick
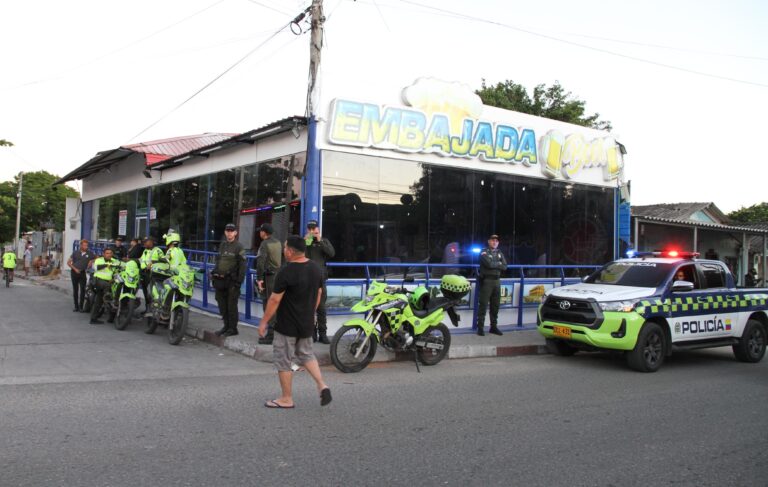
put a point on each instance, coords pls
(18, 214)
(315, 45)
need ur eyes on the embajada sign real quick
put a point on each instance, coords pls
(407, 129)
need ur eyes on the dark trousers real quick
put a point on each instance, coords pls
(322, 316)
(490, 290)
(227, 301)
(78, 288)
(145, 276)
(99, 287)
(269, 287)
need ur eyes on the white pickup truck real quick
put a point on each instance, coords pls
(654, 303)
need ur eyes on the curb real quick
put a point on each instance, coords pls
(263, 353)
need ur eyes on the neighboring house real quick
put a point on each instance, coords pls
(703, 228)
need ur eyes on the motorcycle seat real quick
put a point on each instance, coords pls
(433, 305)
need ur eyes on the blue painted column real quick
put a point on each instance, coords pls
(311, 205)
(86, 223)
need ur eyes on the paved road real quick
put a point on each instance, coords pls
(87, 405)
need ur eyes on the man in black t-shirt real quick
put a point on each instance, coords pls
(297, 293)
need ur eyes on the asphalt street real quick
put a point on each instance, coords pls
(92, 406)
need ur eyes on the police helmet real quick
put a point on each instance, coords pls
(172, 238)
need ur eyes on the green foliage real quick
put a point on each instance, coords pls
(753, 214)
(6, 143)
(41, 203)
(549, 102)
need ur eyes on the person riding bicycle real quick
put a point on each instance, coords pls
(9, 262)
(104, 267)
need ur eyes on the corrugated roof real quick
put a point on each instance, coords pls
(700, 224)
(176, 145)
(680, 211)
(156, 151)
(274, 128)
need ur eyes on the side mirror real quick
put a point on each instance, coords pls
(682, 286)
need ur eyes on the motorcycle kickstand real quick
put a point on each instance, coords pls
(416, 360)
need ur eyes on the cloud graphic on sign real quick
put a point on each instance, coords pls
(456, 100)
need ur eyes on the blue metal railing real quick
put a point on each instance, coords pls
(204, 261)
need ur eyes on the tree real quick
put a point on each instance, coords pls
(6, 143)
(549, 102)
(42, 204)
(753, 214)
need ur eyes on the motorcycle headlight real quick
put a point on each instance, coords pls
(619, 306)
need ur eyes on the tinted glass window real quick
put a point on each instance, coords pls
(714, 276)
(636, 274)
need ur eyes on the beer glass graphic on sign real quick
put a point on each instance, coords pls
(550, 152)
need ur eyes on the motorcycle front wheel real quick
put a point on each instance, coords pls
(429, 354)
(180, 321)
(126, 313)
(345, 345)
(150, 325)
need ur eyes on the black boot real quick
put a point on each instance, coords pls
(323, 338)
(220, 332)
(495, 330)
(314, 335)
(480, 331)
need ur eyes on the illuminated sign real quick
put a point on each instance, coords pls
(450, 126)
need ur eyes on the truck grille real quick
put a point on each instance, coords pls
(566, 310)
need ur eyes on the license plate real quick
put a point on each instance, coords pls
(562, 331)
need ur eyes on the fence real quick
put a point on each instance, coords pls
(521, 290)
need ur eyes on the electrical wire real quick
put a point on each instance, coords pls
(255, 2)
(208, 84)
(585, 46)
(119, 49)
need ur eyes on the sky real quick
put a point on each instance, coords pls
(684, 83)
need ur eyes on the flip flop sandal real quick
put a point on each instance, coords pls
(274, 405)
(325, 397)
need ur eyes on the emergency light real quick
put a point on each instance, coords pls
(668, 253)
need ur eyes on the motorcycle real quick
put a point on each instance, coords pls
(400, 321)
(170, 303)
(120, 300)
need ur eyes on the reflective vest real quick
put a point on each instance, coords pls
(152, 255)
(175, 257)
(110, 266)
(9, 260)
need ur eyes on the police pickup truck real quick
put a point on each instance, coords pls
(654, 303)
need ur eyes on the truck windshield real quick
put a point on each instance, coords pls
(635, 274)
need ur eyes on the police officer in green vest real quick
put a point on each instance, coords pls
(228, 276)
(492, 265)
(149, 258)
(104, 268)
(269, 258)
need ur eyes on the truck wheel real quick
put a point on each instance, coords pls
(559, 348)
(649, 351)
(751, 346)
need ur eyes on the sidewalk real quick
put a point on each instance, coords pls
(463, 345)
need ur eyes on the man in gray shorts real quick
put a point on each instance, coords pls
(296, 295)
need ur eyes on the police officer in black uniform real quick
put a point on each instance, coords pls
(319, 250)
(492, 265)
(228, 275)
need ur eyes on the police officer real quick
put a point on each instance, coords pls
(105, 268)
(119, 251)
(149, 258)
(492, 264)
(228, 275)
(319, 250)
(268, 260)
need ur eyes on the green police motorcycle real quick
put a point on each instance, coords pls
(170, 303)
(400, 320)
(120, 300)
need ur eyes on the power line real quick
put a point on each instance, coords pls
(208, 84)
(255, 2)
(585, 46)
(119, 49)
